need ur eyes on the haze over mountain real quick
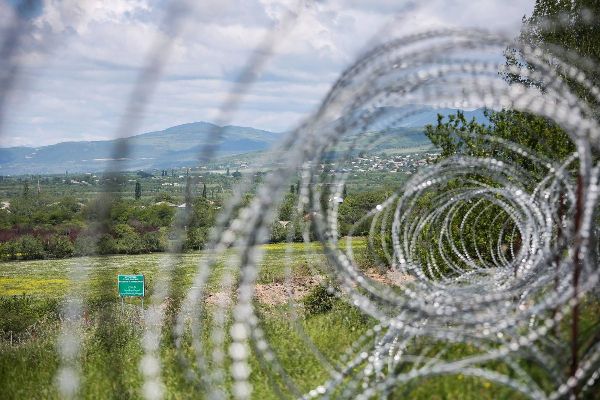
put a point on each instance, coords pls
(181, 145)
(176, 146)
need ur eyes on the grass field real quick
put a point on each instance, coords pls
(49, 278)
(30, 294)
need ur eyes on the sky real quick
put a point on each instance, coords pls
(79, 59)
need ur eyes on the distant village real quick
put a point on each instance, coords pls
(232, 169)
(406, 163)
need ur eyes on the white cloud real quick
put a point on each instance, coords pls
(81, 59)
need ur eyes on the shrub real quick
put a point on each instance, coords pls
(107, 244)
(319, 300)
(299, 226)
(196, 238)
(278, 233)
(60, 247)
(154, 241)
(20, 312)
(30, 248)
(128, 240)
(9, 250)
(164, 196)
(85, 245)
(158, 215)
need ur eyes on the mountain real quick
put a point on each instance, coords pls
(419, 116)
(180, 145)
(172, 147)
(398, 129)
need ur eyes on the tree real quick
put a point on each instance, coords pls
(286, 209)
(188, 192)
(138, 190)
(30, 248)
(457, 135)
(292, 189)
(196, 238)
(203, 213)
(25, 189)
(571, 28)
(553, 26)
(553, 23)
(164, 196)
(556, 25)
(60, 246)
(128, 241)
(227, 173)
(9, 250)
(154, 241)
(204, 190)
(355, 207)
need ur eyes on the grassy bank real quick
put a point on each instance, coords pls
(30, 321)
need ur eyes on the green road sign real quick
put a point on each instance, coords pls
(131, 285)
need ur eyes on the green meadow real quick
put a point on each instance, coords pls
(31, 294)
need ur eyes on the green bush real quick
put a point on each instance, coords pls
(154, 241)
(203, 213)
(20, 312)
(85, 245)
(278, 233)
(128, 241)
(319, 300)
(107, 245)
(30, 248)
(9, 250)
(60, 247)
(196, 238)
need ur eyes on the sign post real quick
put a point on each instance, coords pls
(131, 286)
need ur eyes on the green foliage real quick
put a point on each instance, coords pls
(453, 136)
(5, 222)
(278, 233)
(30, 248)
(564, 24)
(355, 207)
(546, 28)
(20, 312)
(106, 244)
(319, 300)
(85, 245)
(155, 215)
(456, 135)
(164, 196)
(203, 213)
(188, 192)
(60, 247)
(154, 241)
(128, 241)
(551, 23)
(9, 250)
(138, 190)
(196, 238)
(287, 207)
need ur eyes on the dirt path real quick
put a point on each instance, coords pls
(279, 292)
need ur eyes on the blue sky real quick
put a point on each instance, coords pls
(80, 59)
